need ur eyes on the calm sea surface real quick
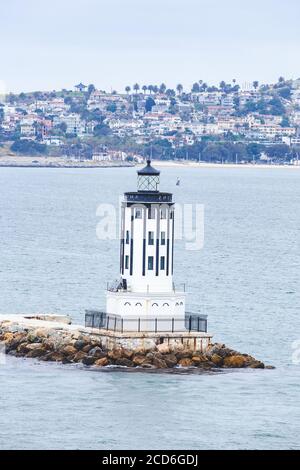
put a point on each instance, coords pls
(246, 278)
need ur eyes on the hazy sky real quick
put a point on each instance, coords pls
(114, 43)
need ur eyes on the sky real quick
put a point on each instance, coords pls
(114, 43)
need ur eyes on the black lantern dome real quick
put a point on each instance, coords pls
(148, 178)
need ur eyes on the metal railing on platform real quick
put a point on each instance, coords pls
(116, 323)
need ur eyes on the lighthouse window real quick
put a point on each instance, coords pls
(138, 213)
(127, 237)
(150, 263)
(126, 262)
(163, 238)
(150, 238)
(162, 263)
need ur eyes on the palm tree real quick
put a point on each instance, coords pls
(136, 87)
(127, 89)
(222, 85)
(150, 88)
(255, 84)
(144, 88)
(155, 88)
(179, 88)
(170, 92)
(162, 88)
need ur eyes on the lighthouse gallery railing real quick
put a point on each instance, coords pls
(102, 320)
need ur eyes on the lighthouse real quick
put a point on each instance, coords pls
(146, 290)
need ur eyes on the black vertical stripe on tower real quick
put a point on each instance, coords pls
(157, 241)
(172, 242)
(122, 257)
(168, 241)
(144, 257)
(157, 257)
(144, 242)
(131, 257)
(122, 247)
(131, 242)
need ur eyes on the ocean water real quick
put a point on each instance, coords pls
(245, 278)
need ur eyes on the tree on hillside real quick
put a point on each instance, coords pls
(101, 130)
(170, 92)
(91, 89)
(279, 152)
(111, 108)
(162, 88)
(285, 122)
(179, 88)
(255, 84)
(284, 92)
(149, 104)
(28, 147)
(222, 85)
(195, 88)
(136, 87)
(281, 80)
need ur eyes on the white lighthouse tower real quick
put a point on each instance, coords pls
(146, 291)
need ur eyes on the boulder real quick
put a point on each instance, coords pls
(184, 354)
(87, 348)
(97, 352)
(79, 356)
(257, 365)
(158, 363)
(123, 361)
(163, 348)
(33, 346)
(36, 352)
(80, 344)
(127, 353)
(69, 350)
(115, 354)
(198, 360)
(101, 362)
(236, 361)
(88, 360)
(138, 359)
(54, 356)
(170, 360)
(217, 360)
(185, 362)
(148, 365)
(6, 337)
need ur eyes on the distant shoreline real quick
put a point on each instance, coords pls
(56, 162)
(193, 164)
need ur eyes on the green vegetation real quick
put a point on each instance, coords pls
(28, 147)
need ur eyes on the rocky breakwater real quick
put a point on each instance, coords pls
(72, 345)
